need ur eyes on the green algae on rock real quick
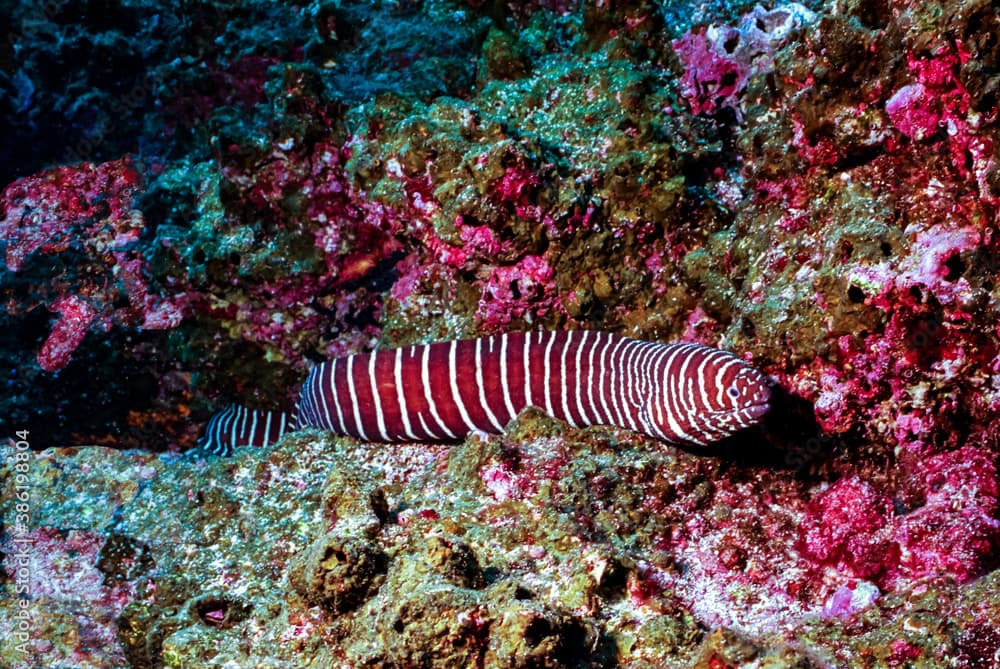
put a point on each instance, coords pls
(337, 572)
(545, 546)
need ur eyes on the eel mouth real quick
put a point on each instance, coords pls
(758, 410)
(760, 403)
(754, 411)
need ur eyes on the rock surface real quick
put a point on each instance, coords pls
(217, 197)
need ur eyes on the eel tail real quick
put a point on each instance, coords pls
(239, 426)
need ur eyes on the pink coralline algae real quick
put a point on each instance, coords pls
(957, 529)
(512, 291)
(50, 211)
(83, 207)
(935, 98)
(856, 529)
(515, 188)
(936, 102)
(845, 529)
(928, 265)
(915, 336)
(355, 233)
(719, 60)
(851, 598)
(930, 164)
(75, 317)
(503, 483)
(521, 286)
(344, 223)
(303, 193)
(914, 112)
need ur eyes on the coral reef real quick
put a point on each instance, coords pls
(595, 552)
(719, 60)
(219, 195)
(83, 212)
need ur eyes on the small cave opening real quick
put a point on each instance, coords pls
(956, 267)
(219, 611)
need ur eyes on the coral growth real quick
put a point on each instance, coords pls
(719, 60)
(812, 187)
(601, 553)
(83, 215)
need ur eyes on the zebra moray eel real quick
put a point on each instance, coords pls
(678, 393)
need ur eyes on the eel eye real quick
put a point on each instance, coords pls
(733, 392)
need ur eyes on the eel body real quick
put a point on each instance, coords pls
(678, 393)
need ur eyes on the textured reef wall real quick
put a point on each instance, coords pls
(199, 202)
